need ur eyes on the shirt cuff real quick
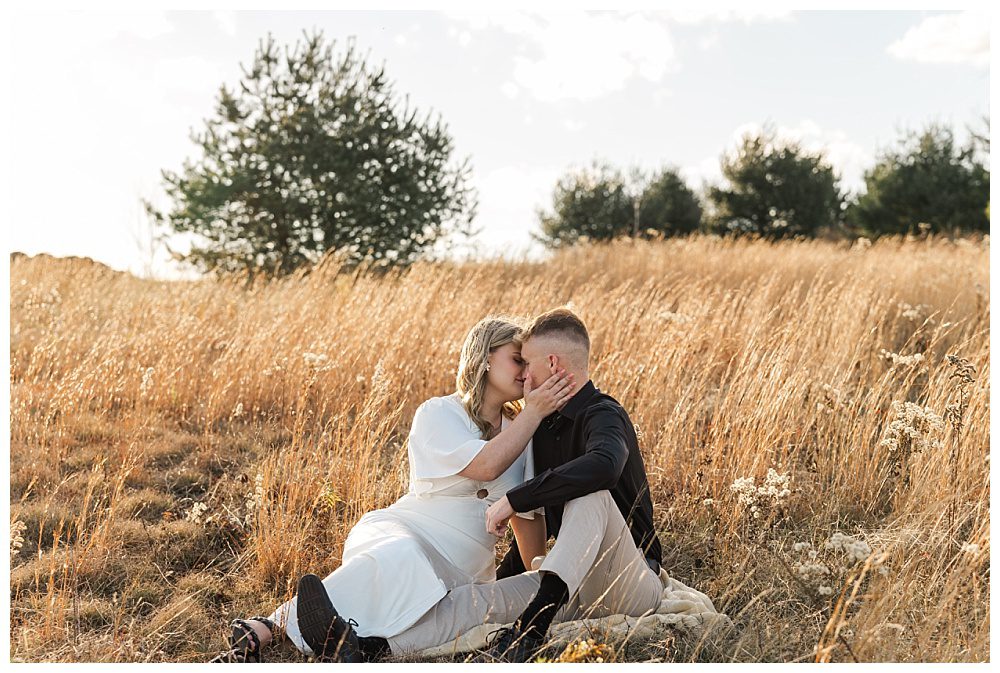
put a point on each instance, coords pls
(531, 514)
(519, 500)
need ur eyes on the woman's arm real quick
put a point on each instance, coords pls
(500, 452)
(530, 535)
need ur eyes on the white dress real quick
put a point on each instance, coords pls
(400, 561)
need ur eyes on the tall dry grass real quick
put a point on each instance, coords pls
(182, 451)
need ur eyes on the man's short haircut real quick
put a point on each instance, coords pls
(560, 322)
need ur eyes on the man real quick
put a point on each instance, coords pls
(592, 483)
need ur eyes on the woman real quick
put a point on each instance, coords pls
(466, 450)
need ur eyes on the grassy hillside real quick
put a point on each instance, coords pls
(182, 452)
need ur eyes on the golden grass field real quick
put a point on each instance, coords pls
(181, 452)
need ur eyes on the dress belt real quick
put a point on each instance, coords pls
(480, 494)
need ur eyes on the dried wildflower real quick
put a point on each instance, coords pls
(824, 590)
(811, 573)
(861, 244)
(915, 313)
(315, 360)
(147, 381)
(911, 431)
(255, 500)
(17, 529)
(195, 513)
(857, 550)
(771, 494)
(970, 548)
(899, 359)
(380, 380)
(238, 410)
(673, 318)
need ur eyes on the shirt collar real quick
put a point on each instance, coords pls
(577, 402)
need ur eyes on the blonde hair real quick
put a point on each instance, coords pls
(486, 336)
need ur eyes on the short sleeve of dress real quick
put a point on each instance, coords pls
(529, 473)
(443, 440)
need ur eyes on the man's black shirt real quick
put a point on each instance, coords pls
(589, 445)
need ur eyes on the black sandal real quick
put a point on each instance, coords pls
(244, 643)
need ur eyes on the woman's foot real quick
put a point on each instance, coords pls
(246, 640)
(328, 635)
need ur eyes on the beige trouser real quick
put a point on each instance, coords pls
(594, 554)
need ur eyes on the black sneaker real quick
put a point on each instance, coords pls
(327, 634)
(510, 644)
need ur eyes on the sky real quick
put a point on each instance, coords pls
(102, 102)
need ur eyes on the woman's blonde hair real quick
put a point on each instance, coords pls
(489, 334)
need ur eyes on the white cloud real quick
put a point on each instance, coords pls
(705, 171)
(508, 200)
(706, 42)
(697, 16)
(581, 56)
(95, 27)
(226, 20)
(509, 89)
(949, 38)
(574, 125)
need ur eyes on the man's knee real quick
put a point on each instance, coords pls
(595, 499)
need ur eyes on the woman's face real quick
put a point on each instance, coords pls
(506, 374)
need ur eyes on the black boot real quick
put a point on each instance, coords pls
(328, 635)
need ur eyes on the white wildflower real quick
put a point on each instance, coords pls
(899, 359)
(915, 313)
(911, 429)
(195, 513)
(775, 486)
(857, 550)
(238, 410)
(824, 590)
(970, 548)
(708, 502)
(770, 494)
(147, 381)
(811, 573)
(17, 529)
(379, 379)
(799, 546)
(316, 360)
(255, 500)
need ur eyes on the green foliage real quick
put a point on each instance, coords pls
(928, 183)
(591, 203)
(668, 206)
(597, 203)
(310, 154)
(775, 189)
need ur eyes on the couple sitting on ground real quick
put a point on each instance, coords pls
(527, 440)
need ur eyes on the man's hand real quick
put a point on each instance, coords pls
(497, 516)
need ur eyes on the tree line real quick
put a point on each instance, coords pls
(774, 188)
(314, 152)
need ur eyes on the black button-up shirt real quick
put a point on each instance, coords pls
(587, 446)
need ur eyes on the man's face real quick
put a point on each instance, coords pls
(537, 362)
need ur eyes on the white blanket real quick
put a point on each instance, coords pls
(681, 607)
